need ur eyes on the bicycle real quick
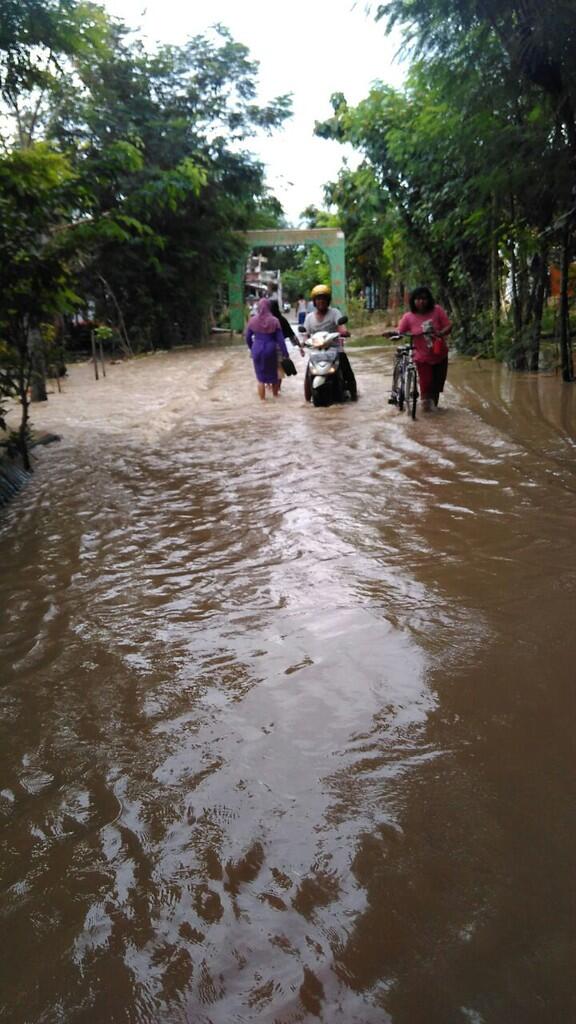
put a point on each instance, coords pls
(405, 378)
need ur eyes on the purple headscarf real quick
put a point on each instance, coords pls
(264, 322)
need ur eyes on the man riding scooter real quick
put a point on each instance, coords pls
(325, 317)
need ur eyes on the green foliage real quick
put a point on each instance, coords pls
(533, 40)
(314, 268)
(167, 187)
(153, 142)
(33, 34)
(366, 217)
(123, 184)
(103, 333)
(471, 166)
(36, 193)
(315, 218)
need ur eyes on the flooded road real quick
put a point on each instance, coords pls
(287, 703)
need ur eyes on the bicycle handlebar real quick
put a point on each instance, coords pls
(407, 334)
(408, 338)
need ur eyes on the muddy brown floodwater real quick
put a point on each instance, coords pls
(287, 703)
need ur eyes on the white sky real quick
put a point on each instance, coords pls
(352, 49)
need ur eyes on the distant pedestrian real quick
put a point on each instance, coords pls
(301, 309)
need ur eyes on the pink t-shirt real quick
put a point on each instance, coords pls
(425, 351)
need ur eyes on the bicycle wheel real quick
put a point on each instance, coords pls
(411, 391)
(393, 399)
(401, 389)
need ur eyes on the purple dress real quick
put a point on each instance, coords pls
(264, 350)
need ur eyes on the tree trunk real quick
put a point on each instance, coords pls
(23, 385)
(565, 342)
(23, 433)
(566, 115)
(204, 327)
(519, 356)
(38, 391)
(519, 359)
(538, 310)
(457, 314)
(495, 271)
(123, 333)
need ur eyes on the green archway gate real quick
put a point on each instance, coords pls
(330, 240)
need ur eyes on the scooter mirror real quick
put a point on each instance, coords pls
(301, 329)
(343, 320)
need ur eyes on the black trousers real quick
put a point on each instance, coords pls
(348, 375)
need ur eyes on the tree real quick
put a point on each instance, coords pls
(475, 171)
(37, 191)
(36, 39)
(365, 215)
(123, 181)
(535, 41)
(157, 141)
(533, 46)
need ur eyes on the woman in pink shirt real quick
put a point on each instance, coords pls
(429, 325)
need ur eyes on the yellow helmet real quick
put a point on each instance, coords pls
(320, 289)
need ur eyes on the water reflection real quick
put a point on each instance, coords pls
(286, 729)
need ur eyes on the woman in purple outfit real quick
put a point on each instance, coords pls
(264, 338)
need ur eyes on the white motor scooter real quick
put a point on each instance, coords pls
(324, 381)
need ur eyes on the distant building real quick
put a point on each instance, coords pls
(259, 282)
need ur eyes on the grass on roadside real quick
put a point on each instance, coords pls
(370, 342)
